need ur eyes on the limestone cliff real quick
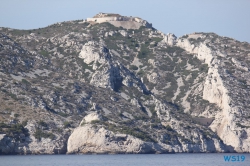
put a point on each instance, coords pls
(217, 91)
(115, 84)
(88, 138)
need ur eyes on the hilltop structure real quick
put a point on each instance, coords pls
(120, 21)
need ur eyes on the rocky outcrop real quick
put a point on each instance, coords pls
(88, 139)
(170, 39)
(28, 144)
(89, 54)
(217, 91)
(109, 77)
(9, 145)
(91, 117)
(112, 74)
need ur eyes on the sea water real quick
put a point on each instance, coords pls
(181, 159)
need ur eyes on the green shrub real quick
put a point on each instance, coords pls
(13, 130)
(136, 132)
(67, 124)
(60, 50)
(16, 115)
(169, 128)
(24, 81)
(3, 125)
(167, 67)
(157, 39)
(39, 134)
(13, 96)
(62, 114)
(184, 36)
(25, 122)
(242, 126)
(42, 123)
(173, 49)
(95, 121)
(144, 52)
(141, 72)
(152, 110)
(44, 53)
(84, 65)
(133, 67)
(203, 68)
(98, 64)
(126, 57)
(58, 89)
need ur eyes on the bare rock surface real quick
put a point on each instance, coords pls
(115, 84)
(87, 139)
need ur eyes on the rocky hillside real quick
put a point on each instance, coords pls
(86, 87)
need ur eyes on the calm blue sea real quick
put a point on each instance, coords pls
(214, 159)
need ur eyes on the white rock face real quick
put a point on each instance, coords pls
(170, 39)
(162, 110)
(89, 54)
(90, 117)
(153, 77)
(123, 33)
(112, 74)
(88, 139)
(135, 102)
(107, 77)
(93, 52)
(239, 65)
(215, 91)
(153, 62)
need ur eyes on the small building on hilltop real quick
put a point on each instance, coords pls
(120, 21)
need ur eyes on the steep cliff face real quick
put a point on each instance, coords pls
(88, 138)
(216, 90)
(31, 142)
(83, 87)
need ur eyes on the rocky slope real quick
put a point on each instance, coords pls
(88, 87)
